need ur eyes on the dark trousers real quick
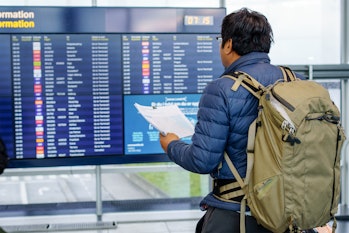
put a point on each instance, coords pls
(225, 221)
(218, 220)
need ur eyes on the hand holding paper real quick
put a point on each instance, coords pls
(166, 140)
(167, 119)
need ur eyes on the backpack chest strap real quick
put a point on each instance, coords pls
(228, 190)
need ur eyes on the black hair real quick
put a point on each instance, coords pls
(249, 30)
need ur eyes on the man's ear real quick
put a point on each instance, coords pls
(227, 48)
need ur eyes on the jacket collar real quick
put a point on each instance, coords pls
(248, 59)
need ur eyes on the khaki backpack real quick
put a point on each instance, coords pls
(293, 155)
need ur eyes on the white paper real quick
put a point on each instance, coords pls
(167, 119)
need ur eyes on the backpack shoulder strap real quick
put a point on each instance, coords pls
(247, 81)
(255, 88)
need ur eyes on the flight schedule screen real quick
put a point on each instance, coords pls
(72, 92)
(70, 77)
(170, 63)
(67, 95)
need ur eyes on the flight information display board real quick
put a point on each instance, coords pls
(166, 64)
(67, 96)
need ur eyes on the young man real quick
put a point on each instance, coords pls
(224, 117)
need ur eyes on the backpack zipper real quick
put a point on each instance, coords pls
(283, 101)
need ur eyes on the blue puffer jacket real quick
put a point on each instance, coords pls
(224, 117)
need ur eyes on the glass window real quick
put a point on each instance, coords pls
(305, 32)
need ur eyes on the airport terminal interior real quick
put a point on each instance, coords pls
(81, 157)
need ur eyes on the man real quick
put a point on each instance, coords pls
(224, 117)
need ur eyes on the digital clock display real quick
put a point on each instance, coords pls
(198, 20)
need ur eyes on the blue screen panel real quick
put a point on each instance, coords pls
(68, 96)
(140, 136)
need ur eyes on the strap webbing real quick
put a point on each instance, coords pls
(242, 216)
(232, 195)
(228, 187)
(245, 80)
(238, 82)
(250, 149)
(234, 170)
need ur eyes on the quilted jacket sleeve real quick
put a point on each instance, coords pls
(219, 124)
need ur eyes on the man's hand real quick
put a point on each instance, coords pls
(165, 140)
